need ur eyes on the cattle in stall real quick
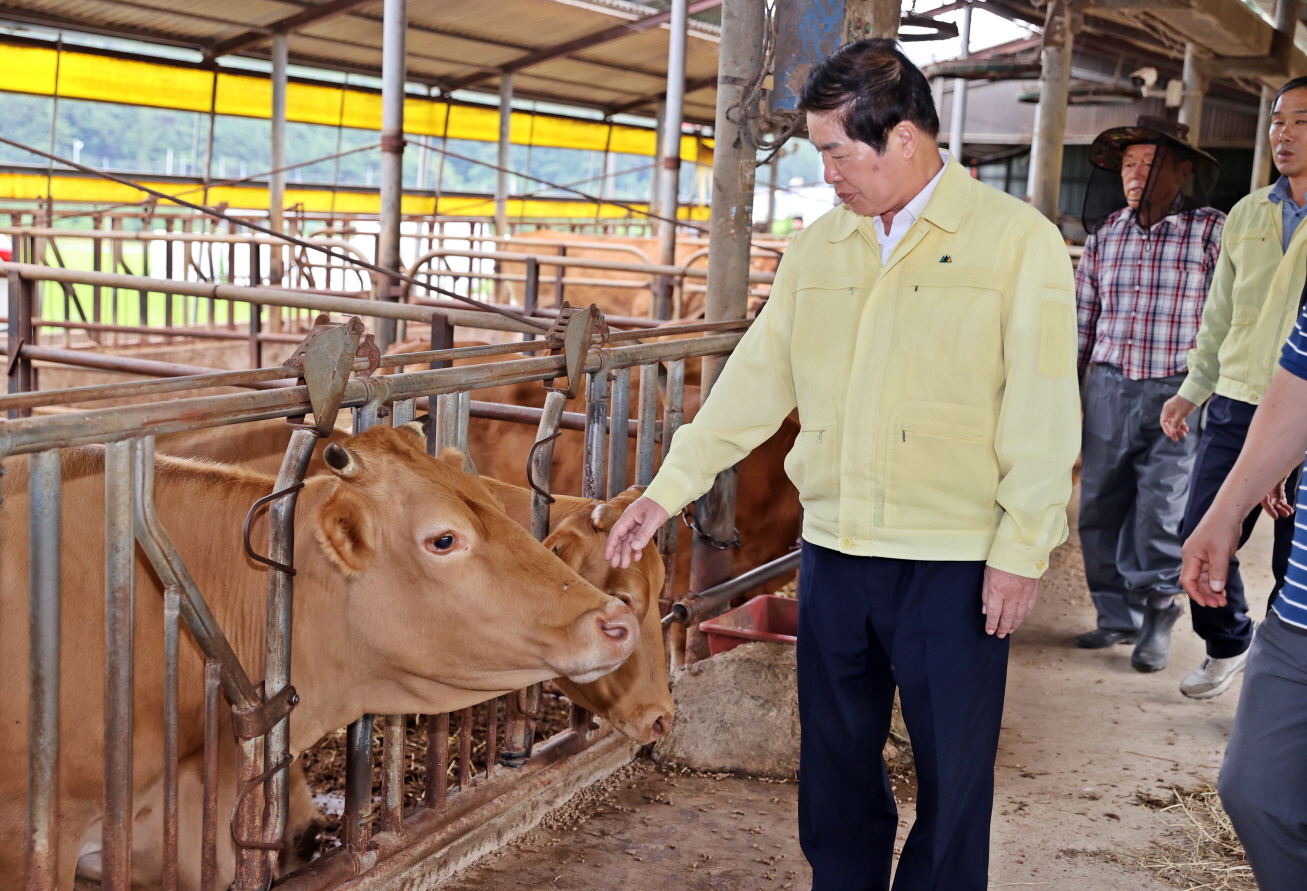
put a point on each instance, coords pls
(415, 594)
(635, 697)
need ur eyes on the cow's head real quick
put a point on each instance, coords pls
(444, 590)
(635, 698)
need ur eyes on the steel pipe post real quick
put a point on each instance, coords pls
(1061, 23)
(669, 181)
(1262, 146)
(277, 179)
(393, 70)
(957, 126)
(119, 618)
(619, 431)
(647, 432)
(43, 568)
(392, 773)
(596, 430)
(673, 416)
(172, 596)
(1195, 87)
(505, 162)
(542, 462)
(281, 591)
(357, 818)
(729, 248)
(20, 333)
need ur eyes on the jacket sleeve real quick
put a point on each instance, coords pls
(1204, 366)
(1088, 304)
(1038, 435)
(752, 396)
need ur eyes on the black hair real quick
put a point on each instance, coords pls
(1295, 84)
(874, 87)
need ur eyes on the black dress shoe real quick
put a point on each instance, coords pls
(1154, 645)
(1100, 638)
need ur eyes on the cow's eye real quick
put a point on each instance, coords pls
(624, 597)
(442, 543)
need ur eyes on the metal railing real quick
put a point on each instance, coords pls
(394, 838)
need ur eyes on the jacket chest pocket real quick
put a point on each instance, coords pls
(813, 464)
(949, 324)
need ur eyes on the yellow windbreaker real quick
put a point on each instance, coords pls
(938, 403)
(1251, 305)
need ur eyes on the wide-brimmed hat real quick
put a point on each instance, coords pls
(1109, 146)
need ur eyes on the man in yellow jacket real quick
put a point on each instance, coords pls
(926, 333)
(1255, 297)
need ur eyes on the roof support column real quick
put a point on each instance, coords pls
(394, 30)
(505, 164)
(1063, 19)
(729, 245)
(277, 181)
(1195, 86)
(1262, 147)
(669, 180)
(655, 173)
(958, 123)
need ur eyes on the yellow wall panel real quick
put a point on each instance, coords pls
(84, 76)
(27, 69)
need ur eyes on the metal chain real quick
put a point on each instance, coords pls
(714, 543)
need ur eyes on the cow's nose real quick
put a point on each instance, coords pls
(661, 725)
(619, 623)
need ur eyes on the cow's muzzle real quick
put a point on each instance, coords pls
(610, 635)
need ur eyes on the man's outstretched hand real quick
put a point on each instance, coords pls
(1206, 558)
(636, 528)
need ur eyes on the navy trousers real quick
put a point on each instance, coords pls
(866, 626)
(1227, 630)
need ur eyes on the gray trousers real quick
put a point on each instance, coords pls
(1133, 486)
(1264, 776)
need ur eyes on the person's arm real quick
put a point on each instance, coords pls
(1277, 441)
(1088, 303)
(1038, 435)
(1204, 366)
(752, 396)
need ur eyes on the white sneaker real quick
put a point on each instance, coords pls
(1213, 677)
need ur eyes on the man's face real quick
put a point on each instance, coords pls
(1139, 164)
(1289, 133)
(869, 183)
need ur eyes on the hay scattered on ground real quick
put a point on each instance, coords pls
(1202, 851)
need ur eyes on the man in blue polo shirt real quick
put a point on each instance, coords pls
(1264, 775)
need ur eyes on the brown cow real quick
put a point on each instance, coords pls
(414, 594)
(636, 697)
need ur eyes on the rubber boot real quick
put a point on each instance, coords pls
(1154, 646)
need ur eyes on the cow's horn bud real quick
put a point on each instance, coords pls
(341, 461)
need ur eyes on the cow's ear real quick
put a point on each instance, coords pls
(415, 428)
(605, 515)
(345, 532)
(453, 457)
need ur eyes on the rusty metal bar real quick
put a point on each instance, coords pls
(691, 608)
(119, 619)
(43, 568)
(492, 734)
(167, 331)
(647, 425)
(464, 748)
(167, 563)
(20, 332)
(209, 819)
(171, 675)
(121, 422)
(596, 429)
(257, 378)
(619, 430)
(392, 773)
(403, 411)
(673, 416)
(357, 818)
(437, 760)
(281, 590)
(541, 468)
(218, 291)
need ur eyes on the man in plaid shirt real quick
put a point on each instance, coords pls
(1140, 289)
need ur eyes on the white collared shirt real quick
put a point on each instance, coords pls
(904, 219)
